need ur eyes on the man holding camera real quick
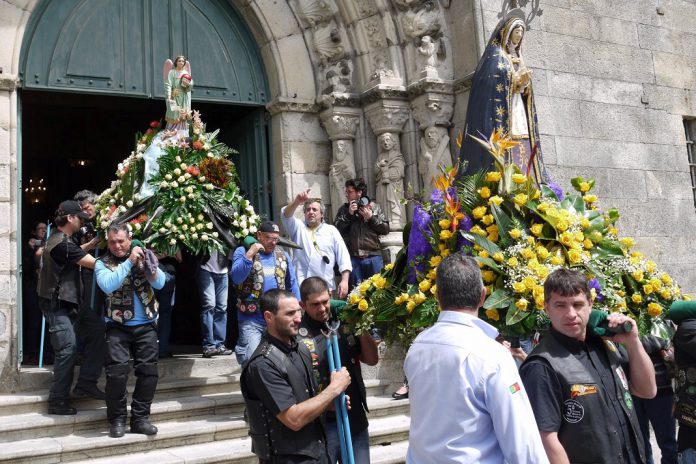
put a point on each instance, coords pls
(129, 275)
(60, 296)
(361, 222)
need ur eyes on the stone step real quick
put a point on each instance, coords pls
(38, 424)
(207, 439)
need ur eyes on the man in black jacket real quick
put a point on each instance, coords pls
(361, 222)
(685, 411)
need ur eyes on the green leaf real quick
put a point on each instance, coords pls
(576, 181)
(499, 299)
(613, 214)
(515, 315)
(548, 193)
(502, 220)
(490, 263)
(607, 248)
(483, 242)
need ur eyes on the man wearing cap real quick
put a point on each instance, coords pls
(322, 244)
(60, 295)
(256, 270)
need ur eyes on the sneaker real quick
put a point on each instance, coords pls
(88, 391)
(209, 352)
(222, 350)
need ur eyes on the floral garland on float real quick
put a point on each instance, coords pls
(519, 234)
(194, 200)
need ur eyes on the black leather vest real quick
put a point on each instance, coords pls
(685, 407)
(585, 433)
(58, 281)
(270, 438)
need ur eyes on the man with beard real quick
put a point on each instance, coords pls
(281, 395)
(316, 303)
(322, 244)
(129, 275)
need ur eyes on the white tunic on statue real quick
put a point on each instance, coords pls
(468, 403)
(309, 261)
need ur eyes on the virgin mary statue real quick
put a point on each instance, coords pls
(502, 98)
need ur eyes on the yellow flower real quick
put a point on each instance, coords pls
(495, 200)
(637, 298)
(647, 289)
(584, 187)
(445, 224)
(493, 237)
(589, 199)
(512, 262)
(493, 228)
(541, 272)
(612, 231)
(628, 242)
(515, 233)
(519, 178)
(543, 207)
(364, 286)
(433, 289)
(488, 276)
(354, 298)
(484, 254)
(621, 304)
(650, 266)
(587, 243)
(445, 235)
(538, 291)
(529, 282)
(688, 297)
(656, 284)
(493, 176)
(445, 253)
(410, 306)
(579, 236)
(637, 254)
(478, 212)
(638, 276)
(528, 253)
(401, 299)
(536, 194)
(584, 223)
(520, 199)
(566, 238)
(665, 294)
(419, 297)
(380, 282)
(389, 267)
(477, 230)
(666, 279)
(574, 256)
(484, 192)
(542, 252)
(539, 302)
(424, 285)
(621, 293)
(487, 219)
(522, 304)
(431, 274)
(519, 287)
(654, 309)
(562, 225)
(557, 260)
(362, 306)
(435, 261)
(492, 314)
(536, 229)
(498, 256)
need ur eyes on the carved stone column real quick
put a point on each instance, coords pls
(341, 124)
(432, 103)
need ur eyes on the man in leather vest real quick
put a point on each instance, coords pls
(283, 403)
(129, 275)
(576, 382)
(316, 302)
(60, 295)
(256, 270)
(685, 410)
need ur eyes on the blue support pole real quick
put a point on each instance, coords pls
(43, 318)
(344, 436)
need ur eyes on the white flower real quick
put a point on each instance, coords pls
(194, 236)
(252, 229)
(235, 223)
(104, 224)
(174, 228)
(168, 176)
(243, 224)
(119, 167)
(210, 155)
(122, 209)
(178, 159)
(162, 230)
(206, 146)
(136, 196)
(164, 184)
(250, 208)
(187, 176)
(201, 178)
(177, 172)
(209, 187)
(140, 147)
(199, 226)
(200, 217)
(181, 179)
(184, 227)
(174, 184)
(209, 226)
(196, 130)
(139, 156)
(245, 232)
(189, 189)
(179, 219)
(172, 241)
(191, 196)
(182, 199)
(215, 234)
(112, 201)
(183, 166)
(129, 203)
(130, 227)
(182, 237)
(191, 219)
(204, 237)
(137, 226)
(168, 224)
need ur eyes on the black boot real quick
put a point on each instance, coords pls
(61, 408)
(117, 428)
(143, 425)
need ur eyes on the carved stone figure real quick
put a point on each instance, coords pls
(428, 58)
(342, 169)
(390, 180)
(315, 11)
(327, 43)
(420, 23)
(435, 152)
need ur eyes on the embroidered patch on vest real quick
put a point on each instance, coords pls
(573, 412)
(303, 332)
(628, 400)
(622, 376)
(582, 390)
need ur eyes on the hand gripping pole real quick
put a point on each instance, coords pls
(344, 437)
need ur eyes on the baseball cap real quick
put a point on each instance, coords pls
(269, 226)
(71, 207)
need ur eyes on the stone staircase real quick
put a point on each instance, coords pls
(198, 409)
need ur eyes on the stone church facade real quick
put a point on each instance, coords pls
(615, 86)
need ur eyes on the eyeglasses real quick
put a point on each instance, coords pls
(269, 238)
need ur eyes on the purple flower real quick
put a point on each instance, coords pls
(594, 283)
(556, 189)
(465, 224)
(419, 242)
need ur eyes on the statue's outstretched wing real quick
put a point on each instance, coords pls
(168, 65)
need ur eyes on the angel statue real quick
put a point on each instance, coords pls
(502, 98)
(177, 88)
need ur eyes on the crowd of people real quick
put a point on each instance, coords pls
(576, 397)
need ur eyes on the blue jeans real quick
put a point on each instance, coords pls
(365, 268)
(361, 444)
(688, 456)
(658, 412)
(213, 289)
(250, 333)
(166, 297)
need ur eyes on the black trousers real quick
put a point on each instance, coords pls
(122, 342)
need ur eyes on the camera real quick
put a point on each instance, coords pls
(87, 232)
(363, 201)
(39, 243)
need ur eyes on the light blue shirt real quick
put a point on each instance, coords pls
(468, 403)
(308, 260)
(110, 281)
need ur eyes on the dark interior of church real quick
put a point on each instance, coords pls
(74, 141)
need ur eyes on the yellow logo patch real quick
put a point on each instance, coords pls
(582, 390)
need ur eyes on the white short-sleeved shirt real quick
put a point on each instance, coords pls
(309, 261)
(468, 403)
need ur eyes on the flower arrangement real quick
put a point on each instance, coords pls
(196, 203)
(519, 233)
